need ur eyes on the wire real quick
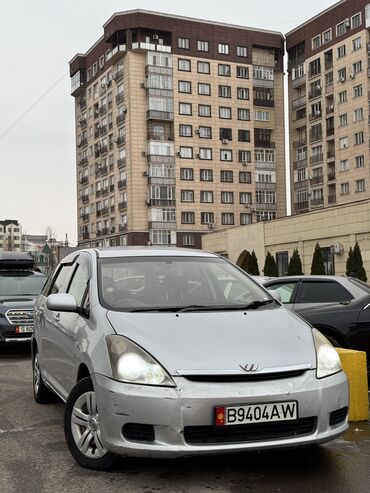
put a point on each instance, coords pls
(33, 105)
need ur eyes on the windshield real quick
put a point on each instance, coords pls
(174, 282)
(12, 284)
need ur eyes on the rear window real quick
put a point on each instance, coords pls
(322, 292)
(21, 284)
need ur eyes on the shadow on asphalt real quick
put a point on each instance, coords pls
(21, 350)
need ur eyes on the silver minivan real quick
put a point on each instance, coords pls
(173, 352)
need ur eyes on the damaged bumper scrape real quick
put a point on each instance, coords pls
(170, 410)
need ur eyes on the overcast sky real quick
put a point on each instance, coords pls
(37, 39)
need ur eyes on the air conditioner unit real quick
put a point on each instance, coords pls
(178, 153)
(253, 210)
(197, 155)
(146, 173)
(143, 153)
(247, 206)
(124, 109)
(331, 107)
(102, 85)
(211, 225)
(351, 76)
(225, 141)
(347, 21)
(147, 201)
(337, 248)
(155, 36)
(197, 131)
(142, 85)
(109, 82)
(116, 140)
(342, 79)
(244, 163)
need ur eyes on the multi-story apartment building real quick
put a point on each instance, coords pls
(179, 130)
(10, 235)
(328, 63)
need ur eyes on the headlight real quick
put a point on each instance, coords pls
(328, 361)
(131, 364)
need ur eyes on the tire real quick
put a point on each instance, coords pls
(333, 340)
(41, 393)
(82, 429)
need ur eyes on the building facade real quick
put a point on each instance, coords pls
(328, 65)
(10, 236)
(179, 130)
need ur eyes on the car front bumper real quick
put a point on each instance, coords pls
(170, 410)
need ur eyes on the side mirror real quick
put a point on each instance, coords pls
(275, 293)
(61, 302)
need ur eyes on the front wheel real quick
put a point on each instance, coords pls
(82, 428)
(41, 393)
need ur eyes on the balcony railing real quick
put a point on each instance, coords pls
(104, 191)
(120, 140)
(317, 180)
(267, 103)
(122, 228)
(121, 162)
(329, 132)
(302, 163)
(118, 75)
(121, 184)
(300, 206)
(119, 97)
(82, 142)
(85, 197)
(264, 144)
(317, 202)
(103, 129)
(315, 137)
(263, 82)
(121, 118)
(330, 154)
(102, 109)
(161, 202)
(122, 205)
(317, 158)
(314, 94)
(299, 81)
(331, 175)
(85, 217)
(116, 51)
(84, 179)
(85, 236)
(83, 160)
(296, 103)
(329, 88)
(332, 199)
(105, 211)
(159, 115)
(299, 143)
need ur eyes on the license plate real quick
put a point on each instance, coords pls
(256, 413)
(23, 329)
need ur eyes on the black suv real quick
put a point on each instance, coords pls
(19, 287)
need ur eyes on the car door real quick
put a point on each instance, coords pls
(287, 290)
(319, 291)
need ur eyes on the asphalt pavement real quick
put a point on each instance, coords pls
(34, 457)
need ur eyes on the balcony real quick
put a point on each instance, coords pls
(330, 154)
(329, 132)
(82, 142)
(301, 206)
(161, 202)
(302, 163)
(317, 180)
(120, 141)
(143, 46)
(118, 75)
(121, 184)
(330, 109)
(296, 103)
(159, 159)
(169, 225)
(299, 81)
(122, 205)
(299, 143)
(112, 230)
(104, 211)
(85, 217)
(85, 236)
(263, 82)
(266, 103)
(331, 176)
(82, 122)
(317, 158)
(83, 160)
(317, 202)
(329, 89)
(121, 162)
(97, 193)
(315, 116)
(103, 129)
(264, 144)
(314, 94)
(84, 179)
(103, 170)
(111, 188)
(121, 118)
(105, 231)
(81, 101)
(102, 109)
(120, 97)
(122, 228)
(332, 199)
(104, 191)
(116, 52)
(315, 137)
(85, 198)
(159, 115)
(314, 73)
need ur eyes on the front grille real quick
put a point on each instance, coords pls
(338, 416)
(247, 377)
(20, 317)
(249, 433)
(137, 432)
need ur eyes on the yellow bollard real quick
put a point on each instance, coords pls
(354, 366)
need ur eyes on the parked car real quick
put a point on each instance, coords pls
(156, 354)
(19, 287)
(338, 306)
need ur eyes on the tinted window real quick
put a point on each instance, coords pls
(285, 291)
(59, 284)
(322, 292)
(16, 284)
(79, 281)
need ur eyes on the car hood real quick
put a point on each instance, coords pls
(218, 342)
(26, 301)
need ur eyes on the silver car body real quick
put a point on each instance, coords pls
(203, 352)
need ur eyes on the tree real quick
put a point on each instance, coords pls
(270, 269)
(246, 261)
(358, 263)
(350, 264)
(295, 264)
(318, 266)
(253, 265)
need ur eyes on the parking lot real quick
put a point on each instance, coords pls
(34, 457)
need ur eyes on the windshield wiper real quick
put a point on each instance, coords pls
(257, 304)
(196, 308)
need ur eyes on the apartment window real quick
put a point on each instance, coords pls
(340, 28)
(183, 43)
(202, 45)
(187, 195)
(203, 68)
(226, 176)
(205, 132)
(356, 20)
(245, 198)
(343, 165)
(344, 188)
(270, 176)
(245, 219)
(185, 109)
(342, 74)
(188, 240)
(185, 131)
(358, 114)
(357, 67)
(357, 91)
(186, 152)
(207, 218)
(185, 86)
(261, 72)
(316, 42)
(204, 110)
(242, 72)
(360, 185)
(224, 91)
(343, 142)
(343, 121)
(206, 175)
(242, 51)
(226, 155)
(266, 197)
(341, 51)
(184, 65)
(187, 218)
(326, 36)
(342, 97)
(244, 114)
(359, 161)
(245, 177)
(245, 156)
(223, 49)
(227, 197)
(225, 112)
(244, 136)
(356, 44)
(226, 133)
(205, 153)
(242, 93)
(186, 174)
(206, 196)
(359, 138)
(261, 115)
(224, 70)
(204, 89)
(227, 218)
